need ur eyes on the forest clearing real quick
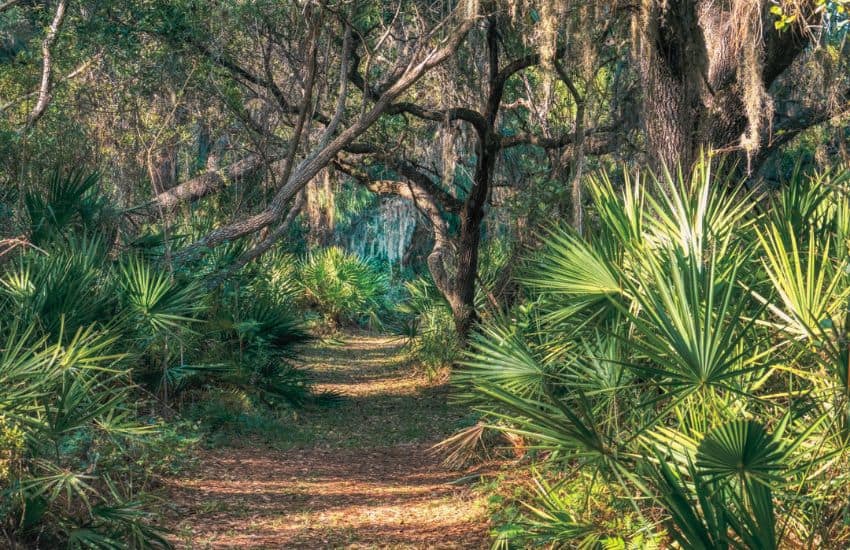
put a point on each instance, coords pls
(497, 274)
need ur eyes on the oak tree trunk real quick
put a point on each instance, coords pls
(691, 59)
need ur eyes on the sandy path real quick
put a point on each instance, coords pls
(363, 479)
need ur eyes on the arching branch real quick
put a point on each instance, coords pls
(320, 156)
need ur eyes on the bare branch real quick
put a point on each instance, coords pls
(8, 4)
(268, 242)
(597, 141)
(81, 69)
(207, 183)
(47, 64)
(425, 203)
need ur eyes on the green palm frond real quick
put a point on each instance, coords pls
(691, 213)
(498, 356)
(569, 428)
(579, 275)
(743, 449)
(811, 286)
(552, 520)
(341, 285)
(70, 201)
(690, 324)
(154, 299)
(621, 211)
(64, 289)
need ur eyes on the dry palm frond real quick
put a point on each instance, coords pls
(463, 447)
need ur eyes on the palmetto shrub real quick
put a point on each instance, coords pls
(97, 341)
(430, 328)
(74, 446)
(60, 285)
(258, 333)
(69, 203)
(65, 411)
(341, 286)
(689, 352)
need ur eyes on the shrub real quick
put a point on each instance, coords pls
(690, 354)
(341, 286)
(62, 285)
(70, 203)
(65, 414)
(258, 335)
(78, 438)
(432, 339)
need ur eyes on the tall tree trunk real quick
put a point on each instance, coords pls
(671, 58)
(469, 240)
(706, 70)
(472, 213)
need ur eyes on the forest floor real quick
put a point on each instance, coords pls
(354, 474)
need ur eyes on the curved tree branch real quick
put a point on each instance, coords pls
(321, 156)
(47, 64)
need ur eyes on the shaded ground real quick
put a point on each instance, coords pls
(353, 475)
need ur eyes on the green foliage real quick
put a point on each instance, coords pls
(257, 336)
(341, 286)
(429, 323)
(684, 353)
(62, 284)
(154, 302)
(69, 202)
(430, 329)
(84, 322)
(66, 417)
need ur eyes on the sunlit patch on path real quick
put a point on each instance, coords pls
(365, 479)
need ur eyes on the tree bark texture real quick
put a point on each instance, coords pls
(689, 56)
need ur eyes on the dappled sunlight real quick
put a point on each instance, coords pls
(376, 386)
(346, 487)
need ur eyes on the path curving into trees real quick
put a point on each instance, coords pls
(356, 474)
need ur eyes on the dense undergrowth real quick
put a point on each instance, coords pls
(114, 363)
(679, 373)
(676, 374)
(426, 317)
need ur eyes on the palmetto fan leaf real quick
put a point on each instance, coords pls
(152, 296)
(70, 201)
(742, 448)
(621, 211)
(812, 287)
(500, 357)
(704, 514)
(340, 284)
(552, 520)
(26, 373)
(63, 289)
(689, 324)
(689, 214)
(272, 324)
(805, 200)
(554, 427)
(600, 370)
(580, 275)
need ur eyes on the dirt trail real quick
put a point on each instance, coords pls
(353, 475)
